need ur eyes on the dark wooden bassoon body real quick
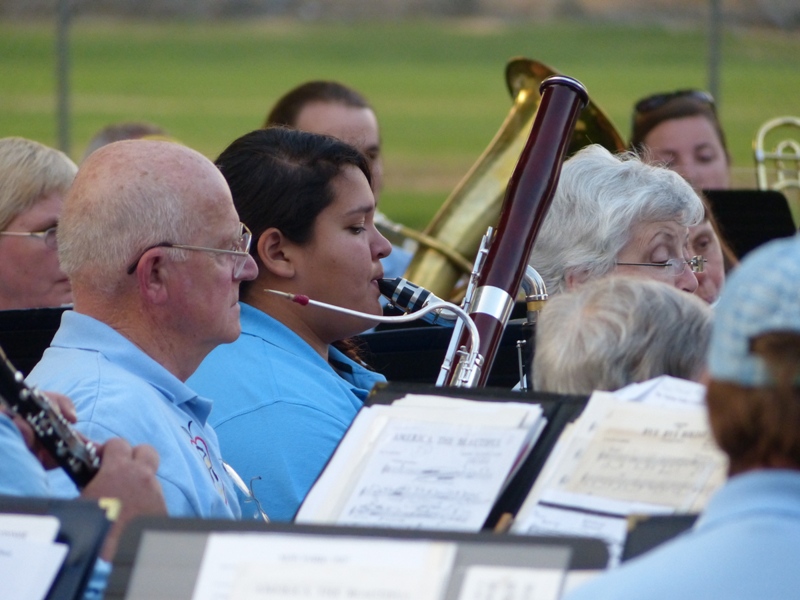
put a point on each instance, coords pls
(525, 205)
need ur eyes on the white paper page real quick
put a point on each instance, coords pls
(283, 567)
(646, 454)
(337, 483)
(528, 412)
(639, 453)
(664, 391)
(320, 504)
(31, 528)
(511, 583)
(547, 520)
(458, 411)
(28, 569)
(601, 504)
(566, 454)
(433, 476)
(621, 458)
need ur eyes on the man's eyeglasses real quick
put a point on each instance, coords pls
(655, 101)
(48, 235)
(239, 254)
(674, 266)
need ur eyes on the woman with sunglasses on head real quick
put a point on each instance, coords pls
(35, 179)
(681, 131)
(286, 393)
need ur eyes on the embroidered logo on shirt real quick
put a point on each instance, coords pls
(202, 447)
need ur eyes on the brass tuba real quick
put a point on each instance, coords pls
(456, 230)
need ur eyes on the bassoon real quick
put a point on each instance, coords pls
(502, 262)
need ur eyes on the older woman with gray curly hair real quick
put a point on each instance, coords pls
(614, 213)
(616, 331)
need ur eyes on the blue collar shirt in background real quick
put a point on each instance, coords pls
(21, 474)
(280, 409)
(119, 391)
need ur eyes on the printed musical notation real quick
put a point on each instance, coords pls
(634, 466)
(432, 476)
(645, 450)
(433, 463)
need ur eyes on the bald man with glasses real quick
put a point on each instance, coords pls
(155, 252)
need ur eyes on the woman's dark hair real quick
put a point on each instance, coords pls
(676, 106)
(288, 107)
(281, 177)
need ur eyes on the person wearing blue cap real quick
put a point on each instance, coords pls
(746, 542)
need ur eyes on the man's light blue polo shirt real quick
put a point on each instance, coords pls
(279, 408)
(119, 391)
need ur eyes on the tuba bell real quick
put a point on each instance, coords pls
(451, 240)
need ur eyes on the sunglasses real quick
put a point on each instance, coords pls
(655, 101)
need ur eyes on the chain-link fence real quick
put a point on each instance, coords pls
(784, 14)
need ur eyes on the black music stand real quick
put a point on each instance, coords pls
(646, 532)
(415, 354)
(160, 558)
(83, 529)
(749, 218)
(26, 334)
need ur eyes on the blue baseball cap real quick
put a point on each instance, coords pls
(762, 295)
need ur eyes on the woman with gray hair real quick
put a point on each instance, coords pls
(616, 331)
(35, 179)
(614, 213)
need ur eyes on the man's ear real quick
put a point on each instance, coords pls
(152, 275)
(275, 253)
(575, 278)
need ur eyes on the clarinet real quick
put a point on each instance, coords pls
(71, 452)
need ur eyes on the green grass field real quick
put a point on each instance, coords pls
(438, 87)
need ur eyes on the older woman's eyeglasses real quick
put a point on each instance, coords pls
(240, 252)
(655, 101)
(674, 266)
(48, 236)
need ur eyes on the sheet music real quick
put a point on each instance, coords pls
(511, 583)
(552, 520)
(650, 466)
(29, 557)
(433, 476)
(32, 528)
(664, 391)
(639, 453)
(283, 567)
(644, 454)
(424, 461)
(648, 451)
